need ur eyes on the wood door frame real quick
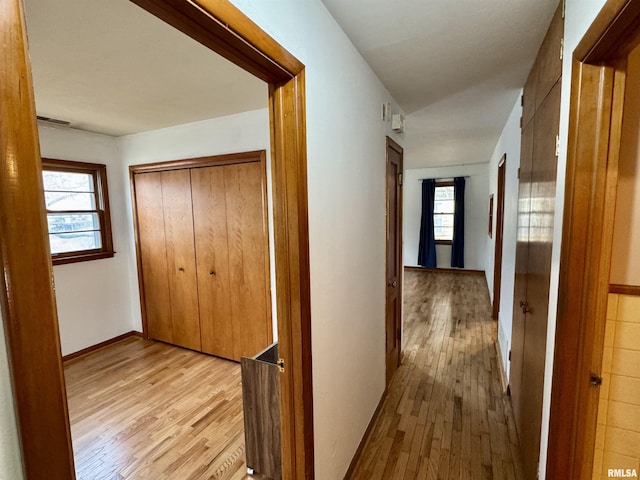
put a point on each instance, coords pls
(29, 311)
(257, 156)
(499, 231)
(597, 103)
(391, 144)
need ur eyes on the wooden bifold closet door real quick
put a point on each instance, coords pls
(203, 255)
(165, 228)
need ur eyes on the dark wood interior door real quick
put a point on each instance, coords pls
(165, 225)
(497, 259)
(393, 317)
(229, 209)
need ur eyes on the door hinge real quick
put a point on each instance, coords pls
(509, 355)
(561, 48)
(557, 145)
(564, 8)
(522, 100)
(281, 364)
(400, 179)
(518, 173)
(520, 123)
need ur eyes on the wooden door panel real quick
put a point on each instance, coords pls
(393, 316)
(183, 289)
(529, 97)
(521, 269)
(543, 194)
(549, 61)
(153, 255)
(211, 242)
(248, 258)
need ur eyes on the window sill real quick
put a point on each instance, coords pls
(444, 242)
(80, 257)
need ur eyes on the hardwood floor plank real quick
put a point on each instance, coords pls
(445, 416)
(147, 410)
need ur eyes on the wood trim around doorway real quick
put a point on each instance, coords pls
(29, 312)
(597, 102)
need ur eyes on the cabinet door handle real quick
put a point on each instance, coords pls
(181, 269)
(212, 272)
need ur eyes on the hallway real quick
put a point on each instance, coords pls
(445, 416)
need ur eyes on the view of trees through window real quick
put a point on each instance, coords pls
(443, 210)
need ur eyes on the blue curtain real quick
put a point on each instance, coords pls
(427, 248)
(457, 249)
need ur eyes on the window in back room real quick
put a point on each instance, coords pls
(77, 206)
(443, 212)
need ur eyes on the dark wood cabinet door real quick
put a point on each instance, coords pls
(549, 61)
(521, 270)
(536, 211)
(543, 194)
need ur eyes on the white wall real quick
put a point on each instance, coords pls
(242, 132)
(346, 170)
(10, 459)
(476, 219)
(509, 143)
(579, 16)
(94, 298)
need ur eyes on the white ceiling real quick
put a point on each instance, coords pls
(455, 67)
(110, 67)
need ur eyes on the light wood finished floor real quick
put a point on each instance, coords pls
(445, 416)
(147, 410)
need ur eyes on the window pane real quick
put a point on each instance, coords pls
(65, 181)
(443, 227)
(72, 222)
(444, 200)
(443, 206)
(444, 193)
(73, 242)
(69, 201)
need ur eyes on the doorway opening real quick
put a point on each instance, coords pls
(28, 304)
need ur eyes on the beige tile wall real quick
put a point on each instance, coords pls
(618, 432)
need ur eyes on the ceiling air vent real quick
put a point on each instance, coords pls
(54, 121)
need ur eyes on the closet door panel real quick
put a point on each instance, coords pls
(248, 258)
(183, 289)
(211, 243)
(153, 255)
(521, 271)
(543, 194)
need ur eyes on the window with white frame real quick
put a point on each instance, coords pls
(443, 212)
